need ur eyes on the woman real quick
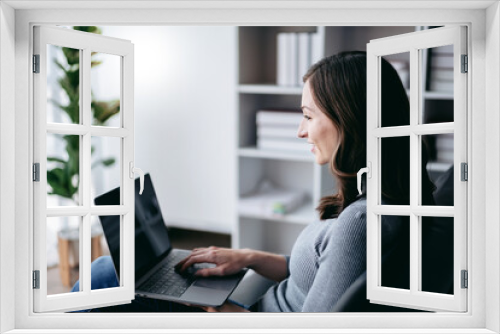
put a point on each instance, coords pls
(330, 253)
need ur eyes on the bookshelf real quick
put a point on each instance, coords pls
(295, 171)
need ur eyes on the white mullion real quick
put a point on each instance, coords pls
(415, 169)
(105, 210)
(103, 131)
(419, 129)
(372, 153)
(85, 177)
(404, 210)
(40, 156)
(434, 129)
(67, 129)
(393, 131)
(460, 155)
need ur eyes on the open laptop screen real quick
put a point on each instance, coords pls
(151, 238)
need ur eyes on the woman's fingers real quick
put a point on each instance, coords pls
(205, 272)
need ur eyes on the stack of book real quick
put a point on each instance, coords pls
(444, 147)
(277, 130)
(296, 52)
(441, 69)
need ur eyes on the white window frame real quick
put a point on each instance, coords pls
(483, 103)
(86, 43)
(415, 44)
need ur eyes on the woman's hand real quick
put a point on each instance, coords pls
(227, 261)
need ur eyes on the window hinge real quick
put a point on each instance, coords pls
(465, 279)
(36, 63)
(36, 172)
(465, 64)
(464, 171)
(36, 279)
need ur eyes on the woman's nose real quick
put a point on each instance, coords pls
(302, 132)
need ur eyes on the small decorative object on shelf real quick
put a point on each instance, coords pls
(269, 200)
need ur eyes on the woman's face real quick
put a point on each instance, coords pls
(319, 130)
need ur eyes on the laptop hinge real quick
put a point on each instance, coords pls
(36, 279)
(465, 279)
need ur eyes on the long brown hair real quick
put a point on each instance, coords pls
(338, 85)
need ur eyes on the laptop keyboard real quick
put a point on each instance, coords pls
(166, 281)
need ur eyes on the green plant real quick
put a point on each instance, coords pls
(64, 177)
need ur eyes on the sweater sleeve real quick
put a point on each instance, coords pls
(342, 259)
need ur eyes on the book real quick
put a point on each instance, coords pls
(280, 144)
(287, 59)
(304, 55)
(293, 54)
(317, 48)
(275, 131)
(444, 74)
(440, 60)
(441, 86)
(282, 46)
(277, 117)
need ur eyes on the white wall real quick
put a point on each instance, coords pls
(7, 168)
(185, 116)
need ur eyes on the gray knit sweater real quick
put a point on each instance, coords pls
(326, 259)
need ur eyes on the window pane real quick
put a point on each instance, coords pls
(63, 253)
(106, 89)
(395, 90)
(63, 85)
(106, 167)
(437, 254)
(437, 71)
(439, 169)
(63, 170)
(395, 166)
(395, 232)
(104, 250)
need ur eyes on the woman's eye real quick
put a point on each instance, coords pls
(307, 117)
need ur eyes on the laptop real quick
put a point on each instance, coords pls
(155, 259)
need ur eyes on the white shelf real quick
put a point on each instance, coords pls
(254, 152)
(303, 215)
(270, 89)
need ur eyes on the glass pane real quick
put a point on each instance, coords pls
(63, 170)
(436, 66)
(395, 90)
(439, 169)
(395, 167)
(105, 249)
(106, 89)
(63, 253)
(437, 254)
(63, 85)
(395, 232)
(106, 167)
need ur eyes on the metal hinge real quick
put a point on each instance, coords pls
(36, 279)
(465, 279)
(465, 64)
(36, 172)
(36, 63)
(464, 171)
